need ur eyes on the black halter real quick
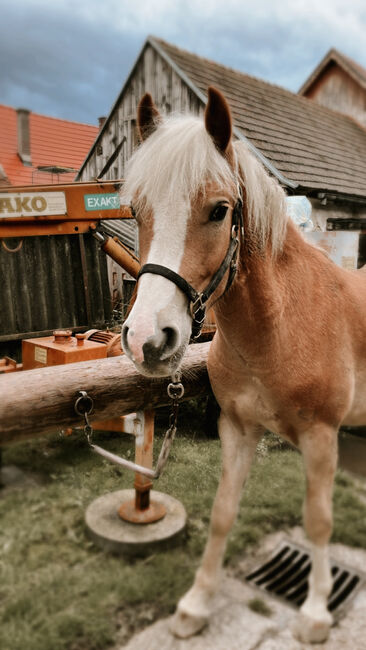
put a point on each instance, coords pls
(198, 300)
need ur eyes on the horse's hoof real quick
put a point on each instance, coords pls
(185, 624)
(312, 630)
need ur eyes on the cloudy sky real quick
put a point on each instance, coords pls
(69, 58)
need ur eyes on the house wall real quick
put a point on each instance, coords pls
(338, 91)
(341, 210)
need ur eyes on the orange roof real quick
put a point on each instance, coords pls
(53, 142)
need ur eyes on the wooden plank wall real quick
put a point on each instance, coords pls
(152, 74)
(338, 91)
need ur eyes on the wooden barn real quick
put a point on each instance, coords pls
(339, 83)
(310, 148)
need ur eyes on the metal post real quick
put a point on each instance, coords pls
(144, 456)
(143, 510)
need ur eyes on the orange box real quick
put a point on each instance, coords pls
(60, 348)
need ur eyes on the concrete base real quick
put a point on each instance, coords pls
(111, 533)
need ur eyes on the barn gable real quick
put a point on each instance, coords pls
(151, 73)
(339, 83)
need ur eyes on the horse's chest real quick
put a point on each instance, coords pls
(249, 402)
(255, 404)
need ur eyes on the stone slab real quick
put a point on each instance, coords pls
(111, 533)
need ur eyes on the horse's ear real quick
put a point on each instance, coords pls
(218, 119)
(148, 116)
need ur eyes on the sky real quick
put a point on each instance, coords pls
(70, 58)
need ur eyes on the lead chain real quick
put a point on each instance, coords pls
(84, 406)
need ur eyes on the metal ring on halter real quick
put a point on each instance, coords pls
(234, 232)
(86, 409)
(175, 391)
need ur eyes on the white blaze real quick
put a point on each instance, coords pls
(160, 304)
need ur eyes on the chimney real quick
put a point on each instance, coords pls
(24, 151)
(101, 121)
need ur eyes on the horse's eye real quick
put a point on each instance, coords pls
(219, 212)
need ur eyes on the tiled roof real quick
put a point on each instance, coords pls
(355, 70)
(52, 142)
(310, 144)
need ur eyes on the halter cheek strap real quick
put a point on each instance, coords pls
(198, 300)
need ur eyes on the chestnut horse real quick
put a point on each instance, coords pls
(289, 353)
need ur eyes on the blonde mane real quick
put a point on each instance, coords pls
(178, 160)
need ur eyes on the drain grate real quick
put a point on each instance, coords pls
(285, 576)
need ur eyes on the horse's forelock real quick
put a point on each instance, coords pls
(176, 161)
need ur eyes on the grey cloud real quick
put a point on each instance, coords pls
(72, 64)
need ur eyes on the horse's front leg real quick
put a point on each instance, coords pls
(319, 448)
(238, 448)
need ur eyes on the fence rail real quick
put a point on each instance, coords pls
(42, 400)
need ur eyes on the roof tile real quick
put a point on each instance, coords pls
(308, 143)
(52, 141)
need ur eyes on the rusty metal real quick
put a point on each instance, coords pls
(23, 335)
(122, 255)
(41, 228)
(59, 349)
(9, 365)
(110, 339)
(62, 336)
(142, 510)
(16, 249)
(135, 513)
(76, 220)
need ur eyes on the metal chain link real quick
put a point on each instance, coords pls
(84, 407)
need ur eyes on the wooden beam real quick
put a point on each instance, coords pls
(42, 400)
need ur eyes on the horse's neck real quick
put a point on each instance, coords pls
(251, 314)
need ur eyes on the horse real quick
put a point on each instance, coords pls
(289, 352)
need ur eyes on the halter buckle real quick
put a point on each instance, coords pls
(199, 304)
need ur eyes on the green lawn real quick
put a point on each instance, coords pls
(59, 592)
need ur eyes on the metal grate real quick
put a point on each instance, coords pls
(285, 576)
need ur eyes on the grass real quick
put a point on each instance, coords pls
(58, 591)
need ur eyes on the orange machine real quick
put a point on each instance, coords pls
(60, 348)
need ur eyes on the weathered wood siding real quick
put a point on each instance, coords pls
(338, 91)
(151, 74)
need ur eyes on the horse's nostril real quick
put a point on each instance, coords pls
(160, 346)
(125, 337)
(171, 338)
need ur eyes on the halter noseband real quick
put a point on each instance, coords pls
(198, 300)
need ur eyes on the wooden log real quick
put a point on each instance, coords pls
(42, 400)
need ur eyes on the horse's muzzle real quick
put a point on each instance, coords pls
(154, 355)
